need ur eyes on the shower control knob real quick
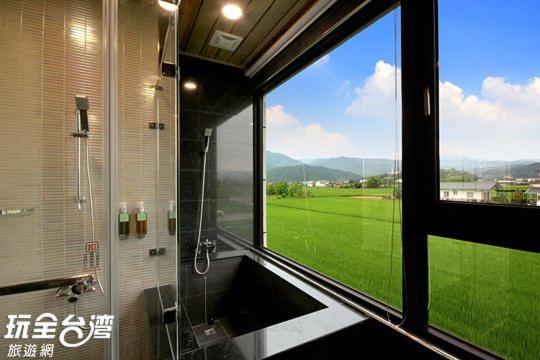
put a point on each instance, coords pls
(210, 245)
(80, 199)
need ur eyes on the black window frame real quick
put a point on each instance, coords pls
(424, 212)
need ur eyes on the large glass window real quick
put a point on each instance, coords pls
(332, 137)
(486, 295)
(234, 174)
(489, 97)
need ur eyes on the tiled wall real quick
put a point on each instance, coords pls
(145, 171)
(49, 51)
(225, 108)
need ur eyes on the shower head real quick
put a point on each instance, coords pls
(207, 134)
(81, 102)
(82, 105)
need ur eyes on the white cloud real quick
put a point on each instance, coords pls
(498, 123)
(286, 135)
(376, 98)
(502, 105)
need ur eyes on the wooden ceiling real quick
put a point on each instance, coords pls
(263, 23)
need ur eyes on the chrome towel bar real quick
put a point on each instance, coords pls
(44, 284)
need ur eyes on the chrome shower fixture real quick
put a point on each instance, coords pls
(207, 135)
(207, 246)
(82, 105)
(81, 132)
(81, 286)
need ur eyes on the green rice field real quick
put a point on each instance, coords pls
(489, 296)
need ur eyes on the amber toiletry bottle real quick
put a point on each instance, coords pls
(142, 221)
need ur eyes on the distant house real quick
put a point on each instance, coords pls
(318, 183)
(533, 193)
(477, 191)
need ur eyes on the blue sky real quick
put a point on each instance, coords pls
(348, 99)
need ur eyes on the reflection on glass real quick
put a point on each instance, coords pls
(333, 164)
(486, 295)
(235, 175)
(489, 101)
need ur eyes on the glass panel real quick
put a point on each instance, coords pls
(235, 175)
(214, 116)
(49, 51)
(332, 164)
(166, 212)
(486, 295)
(146, 181)
(489, 100)
(216, 201)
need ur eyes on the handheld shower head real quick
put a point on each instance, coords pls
(207, 134)
(82, 105)
(81, 102)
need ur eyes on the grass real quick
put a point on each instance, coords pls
(334, 192)
(487, 295)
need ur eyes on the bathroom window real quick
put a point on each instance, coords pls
(332, 164)
(488, 115)
(489, 76)
(486, 295)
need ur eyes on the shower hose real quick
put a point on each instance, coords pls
(195, 266)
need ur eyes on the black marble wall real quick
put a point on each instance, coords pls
(222, 102)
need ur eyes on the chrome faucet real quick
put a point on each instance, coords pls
(75, 291)
(208, 246)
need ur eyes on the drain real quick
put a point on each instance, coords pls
(210, 332)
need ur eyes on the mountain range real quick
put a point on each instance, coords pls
(526, 171)
(471, 164)
(282, 167)
(299, 173)
(356, 166)
(274, 159)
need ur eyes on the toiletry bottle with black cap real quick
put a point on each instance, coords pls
(142, 221)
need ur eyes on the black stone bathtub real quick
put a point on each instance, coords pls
(239, 296)
(248, 308)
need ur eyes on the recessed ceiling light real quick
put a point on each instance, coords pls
(169, 5)
(190, 85)
(232, 11)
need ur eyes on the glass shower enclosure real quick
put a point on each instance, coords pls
(88, 116)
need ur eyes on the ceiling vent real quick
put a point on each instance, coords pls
(225, 40)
